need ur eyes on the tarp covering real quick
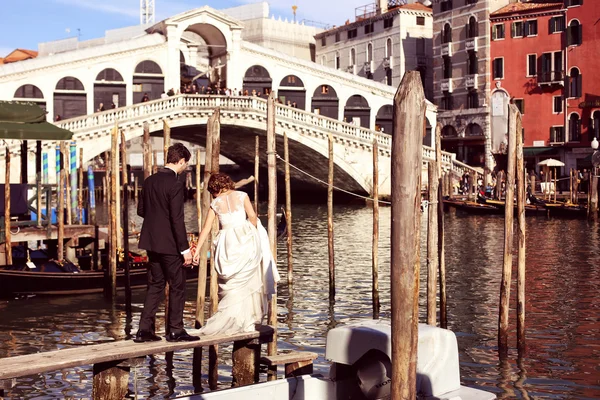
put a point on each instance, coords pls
(27, 121)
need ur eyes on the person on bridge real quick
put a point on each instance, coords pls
(243, 260)
(164, 237)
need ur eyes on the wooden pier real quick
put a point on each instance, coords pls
(112, 361)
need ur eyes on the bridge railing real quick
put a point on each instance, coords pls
(157, 108)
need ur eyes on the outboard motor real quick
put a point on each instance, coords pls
(361, 356)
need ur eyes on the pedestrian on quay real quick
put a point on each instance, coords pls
(164, 237)
(145, 98)
(100, 107)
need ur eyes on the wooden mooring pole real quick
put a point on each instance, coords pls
(80, 189)
(441, 233)
(521, 199)
(272, 219)
(288, 209)
(201, 290)
(7, 238)
(330, 221)
(114, 194)
(508, 231)
(409, 106)
(375, 242)
(126, 258)
(60, 214)
(432, 243)
(166, 139)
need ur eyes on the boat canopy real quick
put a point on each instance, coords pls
(27, 121)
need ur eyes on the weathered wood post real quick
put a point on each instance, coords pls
(375, 242)
(330, 221)
(166, 139)
(147, 149)
(556, 184)
(114, 194)
(24, 161)
(508, 230)
(288, 209)
(246, 356)
(521, 199)
(155, 161)
(256, 172)
(126, 259)
(60, 214)
(571, 185)
(80, 188)
(7, 238)
(73, 186)
(441, 233)
(66, 166)
(593, 205)
(201, 290)
(272, 219)
(409, 106)
(432, 244)
(39, 181)
(576, 186)
(136, 188)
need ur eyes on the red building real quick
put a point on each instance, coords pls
(540, 53)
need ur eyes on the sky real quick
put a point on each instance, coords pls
(25, 23)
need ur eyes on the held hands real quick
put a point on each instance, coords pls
(196, 259)
(187, 258)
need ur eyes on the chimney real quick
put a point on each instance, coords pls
(382, 6)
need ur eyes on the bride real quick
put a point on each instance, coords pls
(242, 257)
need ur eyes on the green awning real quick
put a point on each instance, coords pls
(27, 121)
(539, 151)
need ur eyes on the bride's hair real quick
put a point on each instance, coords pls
(219, 182)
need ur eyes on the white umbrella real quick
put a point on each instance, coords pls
(551, 162)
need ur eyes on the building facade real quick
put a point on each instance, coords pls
(541, 53)
(382, 44)
(462, 71)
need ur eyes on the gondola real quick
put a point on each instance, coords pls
(472, 207)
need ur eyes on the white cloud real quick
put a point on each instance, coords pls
(128, 8)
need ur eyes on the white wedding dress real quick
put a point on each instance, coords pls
(245, 267)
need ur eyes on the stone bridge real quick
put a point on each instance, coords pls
(242, 118)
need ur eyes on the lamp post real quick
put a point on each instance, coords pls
(594, 181)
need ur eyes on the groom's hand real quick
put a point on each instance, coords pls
(187, 258)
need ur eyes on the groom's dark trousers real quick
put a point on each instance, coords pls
(164, 236)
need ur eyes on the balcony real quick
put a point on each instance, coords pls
(447, 49)
(471, 81)
(551, 78)
(446, 85)
(471, 44)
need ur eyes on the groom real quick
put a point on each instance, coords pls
(164, 237)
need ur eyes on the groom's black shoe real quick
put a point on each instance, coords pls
(182, 336)
(145, 336)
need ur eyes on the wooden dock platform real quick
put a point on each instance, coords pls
(114, 360)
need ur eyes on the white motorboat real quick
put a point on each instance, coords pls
(361, 369)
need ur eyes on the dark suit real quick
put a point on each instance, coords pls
(164, 237)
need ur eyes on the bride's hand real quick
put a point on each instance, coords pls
(196, 258)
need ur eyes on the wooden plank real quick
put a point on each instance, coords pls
(13, 367)
(287, 358)
(298, 368)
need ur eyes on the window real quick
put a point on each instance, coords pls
(574, 128)
(388, 76)
(558, 66)
(447, 34)
(557, 24)
(531, 28)
(389, 22)
(498, 68)
(323, 41)
(324, 89)
(471, 1)
(571, 3)
(531, 65)
(557, 104)
(420, 46)
(498, 31)
(574, 83)
(420, 21)
(447, 101)
(291, 79)
(352, 57)
(337, 60)
(596, 123)
(369, 52)
(574, 33)
(369, 28)
(337, 37)
(472, 28)
(472, 99)
(447, 67)
(388, 48)
(472, 63)
(557, 134)
(520, 104)
(352, 33)
(517, 29)
(446, 5)
(323, 60)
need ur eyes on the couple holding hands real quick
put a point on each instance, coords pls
(247, 274)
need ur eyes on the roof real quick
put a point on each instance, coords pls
(516, 8)
(19, 55)
(27, 121)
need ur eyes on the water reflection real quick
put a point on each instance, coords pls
(562, 309)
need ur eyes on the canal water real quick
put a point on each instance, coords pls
(563, 309)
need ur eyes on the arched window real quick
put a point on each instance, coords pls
(574, 33)
(369, 52)
(388, 48)
(575, 83)
(447, 34)
(323, 60)
(574, 128)
(352, 57)
(472, 28)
